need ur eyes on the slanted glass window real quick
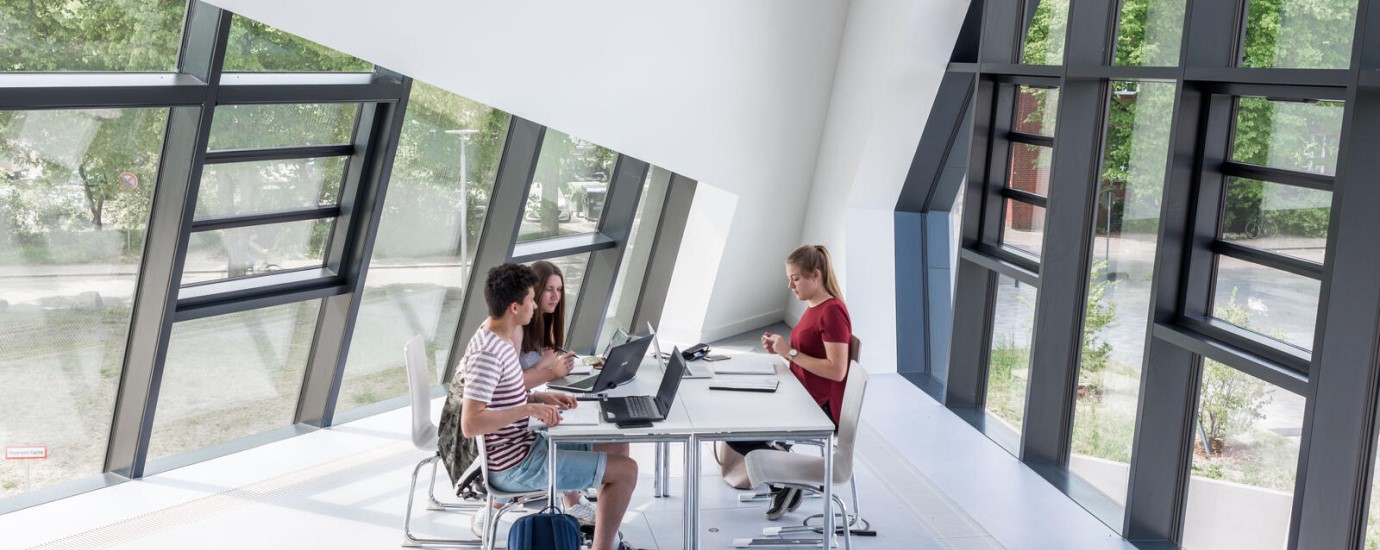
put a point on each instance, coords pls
(267, 186)
(568, 190)
(1245, 460)
(232, 376)
(1149, 33)
(1037, 110)
(1008, 366)
(1299, 135)
(1044, 42)
(256, 250)
(442, 178)
(91, 35)
(1275, 303)
(1299, 34)
(256, 47)
(1119, 285)
(75, 191)
(263, 126)
(628, 288)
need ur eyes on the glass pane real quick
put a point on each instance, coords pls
(1044, 43)
(69, 266)
(1291, 135)
(256, 250)
(418, 285)
(635, 257)
(255, 47)
(232, 376)
(1023, 227)
(1268, 301)
(1241, 490)
(1036, 110)
(573, 268)
(1008, 367)
(261, 126)
(1030, 166)
(1283, 218)
(568, 190)
(250, 187)
(1118, 303)
(91, 35)
(1149, 33)
(1299, 34)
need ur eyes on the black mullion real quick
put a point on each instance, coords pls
(1013, 70)
(265, 218)
(1273, 260)
(1271, 76)
(1030, 139)
(1321, 182)
(224, 156)
(1206, 340)
(1271, 91)
(1025, 197)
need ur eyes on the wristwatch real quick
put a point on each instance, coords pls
(792, 353)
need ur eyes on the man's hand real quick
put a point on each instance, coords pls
(561, 400)
(547, 414)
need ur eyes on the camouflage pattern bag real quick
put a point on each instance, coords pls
(457, 451)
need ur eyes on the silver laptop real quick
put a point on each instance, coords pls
(698, 371)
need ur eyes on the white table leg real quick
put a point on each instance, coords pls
(828, 491)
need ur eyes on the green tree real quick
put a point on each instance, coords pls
(1231, 401)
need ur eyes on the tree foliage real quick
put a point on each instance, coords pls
(60, 170)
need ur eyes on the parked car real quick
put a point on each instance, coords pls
(534, 198)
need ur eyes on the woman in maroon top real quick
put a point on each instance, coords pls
(817, 349)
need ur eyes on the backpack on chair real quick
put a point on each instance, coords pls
(458, 452)
(545, 530)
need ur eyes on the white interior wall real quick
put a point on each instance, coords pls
(893, 55)
(730, 93)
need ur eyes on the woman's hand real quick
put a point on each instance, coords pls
(547, 414)
(776, 343)
(559, 364)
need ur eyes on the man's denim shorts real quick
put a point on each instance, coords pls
(577, 467)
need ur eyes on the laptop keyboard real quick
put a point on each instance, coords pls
(642, 407)
(585, 384)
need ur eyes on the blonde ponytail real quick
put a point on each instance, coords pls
(815, 256)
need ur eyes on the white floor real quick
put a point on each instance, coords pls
(927, 480)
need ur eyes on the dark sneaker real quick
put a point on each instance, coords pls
(780, 500)
(796, 499)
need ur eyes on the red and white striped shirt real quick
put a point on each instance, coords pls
(493, 376)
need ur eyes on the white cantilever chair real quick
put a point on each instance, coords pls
(514, 499)
(806, 472)
(424, 438)
(854, 355)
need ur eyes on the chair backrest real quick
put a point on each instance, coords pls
(419, 388)
(848, 422)
(854, 348)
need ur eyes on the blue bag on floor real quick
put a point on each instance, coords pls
(545, 530)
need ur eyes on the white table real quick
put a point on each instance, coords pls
(700, 414)
(789, 413)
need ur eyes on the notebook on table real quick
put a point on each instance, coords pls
(745, 383)
(746, 364)
(579, 416)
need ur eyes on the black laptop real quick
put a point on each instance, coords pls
(620, 366)
(646, 407)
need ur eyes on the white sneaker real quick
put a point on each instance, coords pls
(479, 521)
(583, 512)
